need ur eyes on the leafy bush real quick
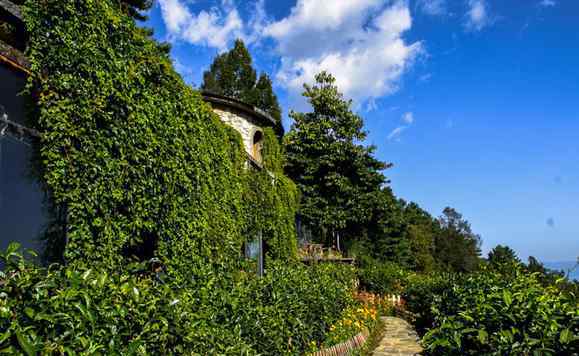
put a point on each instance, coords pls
(422, 291)
(142, 311)
(381, 277)
(497, 314)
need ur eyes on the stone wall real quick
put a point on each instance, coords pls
(241, 122)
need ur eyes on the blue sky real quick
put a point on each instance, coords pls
(476, 102)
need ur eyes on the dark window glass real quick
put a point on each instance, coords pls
(11, 84)
(22, 215)
(254, 252)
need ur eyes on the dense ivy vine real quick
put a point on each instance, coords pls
(142, 164)
(274, 200)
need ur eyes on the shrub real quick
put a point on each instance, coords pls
(138, 311)
(496, 314)
(381, 277)
(421, 293)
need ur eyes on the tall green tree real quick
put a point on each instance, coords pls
(501, 255)
(456, 246)
(339, 178)
(232, 74)
(135, 8)
(421, 230)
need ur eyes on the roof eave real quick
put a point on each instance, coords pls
(251, 110)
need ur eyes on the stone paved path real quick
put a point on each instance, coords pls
(399, 339)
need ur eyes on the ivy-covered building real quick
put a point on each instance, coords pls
(29, 215)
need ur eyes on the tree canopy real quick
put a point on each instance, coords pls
(232, 74)
(457, 247)
(134, 8)
(337, 175)
(503, 255)
(345, 192)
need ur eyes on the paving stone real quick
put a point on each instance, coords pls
(399, 339)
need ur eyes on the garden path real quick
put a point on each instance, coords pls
(399, 339)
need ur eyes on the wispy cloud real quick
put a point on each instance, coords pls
(395, 134)
(432, 7)
(407, 120)
(547, 3)
(477, 16)
(371, 105)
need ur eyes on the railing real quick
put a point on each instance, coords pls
(344, 348)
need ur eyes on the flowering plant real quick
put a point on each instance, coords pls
(362, 316)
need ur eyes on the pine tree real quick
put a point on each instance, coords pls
(339, 178)
(457, 247)
(501, 255)
(266, 99)
(232, 74)
(135, 7)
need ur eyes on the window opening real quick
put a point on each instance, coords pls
(257, 145)
(254, 252)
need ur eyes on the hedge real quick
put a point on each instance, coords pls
(58, 310)
(492, 313)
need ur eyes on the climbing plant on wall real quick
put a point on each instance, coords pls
(273, 200)
(142, 164)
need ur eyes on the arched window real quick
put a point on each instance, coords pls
(257, 145)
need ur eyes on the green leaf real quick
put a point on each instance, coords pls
(25, 344)
(507, 297)
(565, 336)
(12, 247)
(29, 312)
(482, 336)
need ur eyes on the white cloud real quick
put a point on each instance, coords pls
(395, 134)
(257, 23)
(175, 14)
(432, 7)
(407, 120)
(477, 16)
(215, 28)
(365, 52)
(547, 3)
(359, 41)
(371, 105)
